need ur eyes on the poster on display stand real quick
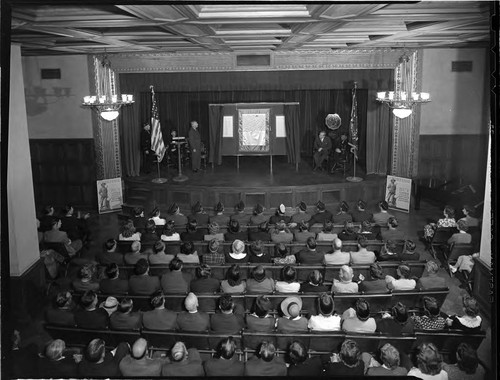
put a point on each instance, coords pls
(109, 195)
(398, 193)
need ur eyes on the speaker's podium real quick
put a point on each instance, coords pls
(179, 141)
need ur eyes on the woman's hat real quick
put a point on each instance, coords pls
(213, 245)
(344, 206)
(320, 205)
(281, 208)
(259, 209)
(238, 246)
(291, 306)
(240, 206)
(302, 206)
(219, 207)
(197, 207)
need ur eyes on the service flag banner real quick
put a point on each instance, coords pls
(353, 125)
(157, 144)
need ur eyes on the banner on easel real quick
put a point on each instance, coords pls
(398, 193)
(109, 195)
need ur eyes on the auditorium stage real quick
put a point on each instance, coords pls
(253, 183)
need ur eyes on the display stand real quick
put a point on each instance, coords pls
(159, 179)
(180, 177)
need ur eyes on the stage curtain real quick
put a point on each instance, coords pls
(292, 126)
(380, 135)
(215, 122)
(130, 125)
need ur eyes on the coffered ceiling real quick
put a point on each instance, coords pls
(249, 27)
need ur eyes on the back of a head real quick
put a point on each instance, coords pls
(280, 250)
(389, 356)
(213, 228)
(297, 352)
(327, 226)
(432, 267)
(261, 306)
(157, 299)
(178, 352)
(95, 350)
(159, 246)
(187, 248)
(390, 246)
(213, 245)
(383, 205)
(150, 226)
(226, 303)
(350, 353)
(346, 273)
(311, 243)
(462, 225)
(400, 312)
(135, 246)
(139, 348)
(362, 309)
(303, 226)
(362, 242)
(110, 244)
(112, 270)
(410, 246)
(226, 348)
(141, 267)
(315, 277)
(429, 359)
(361, 205)
(169, 228)
(467, 359)
(233, 275)
(238, 246)
(192, 225)
(470, 306)
(449, 211)
(431, 306)
(63, 299)
(404, 271)
(155, 212)
(267, 351)
(263, 227)
(203, 271)
(337, 244)
(349, 227)
(86, 271)
(376, 271)
(55, 349)
(288, 273)
(191, 302)
(88, 298)
(138, 211)
(176, 264)
(326, 305)
(125, 305)
(234, 226)
(259, 273)
(392, 222)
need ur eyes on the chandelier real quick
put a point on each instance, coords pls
(403, 98)
(106, 102)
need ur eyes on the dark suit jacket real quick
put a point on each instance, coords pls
(61, 369)
(373, 286)
(260, 324)
(110, 257)
(258, 367)
(431, 281)
(159, 319)
(96, 319)
(139, 222)
(198, 321)
(198, 235)
(310, 257)
(222, 367)
(232, 236)
(143, 285)
(226, 323)
(116, 286)
(320, 217)
(108, 368)
(60, 317)
(123, 321)
(312, 367)
(259, 235)
(175, 282)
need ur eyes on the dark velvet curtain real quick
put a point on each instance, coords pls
(216, 119)
(378, 152)
(292, 127)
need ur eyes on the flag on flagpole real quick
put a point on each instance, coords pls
(353, 125)
(157, 144)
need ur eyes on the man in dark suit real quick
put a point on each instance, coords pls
(98, 362)
(321, 215)
(194, 139)
(109, 254)
(266, 364)
(90, 316)
(141, 282)
(58, 362)
(225, 362)
(147, 153)
(192, 319)
(113, 284)
(62, 314)
(124, 318)
(322, 147)
(340, 152)
(309, 255)
(261, 234)
(226, 321)
(159, 318)
(138, 363)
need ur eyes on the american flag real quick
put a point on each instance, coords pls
(157, 143)
(353, 125)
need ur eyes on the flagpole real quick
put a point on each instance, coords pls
(353, 132)
(156, 133)
(159, 179)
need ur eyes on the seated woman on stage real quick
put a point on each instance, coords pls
(447, 221)
(470, 321)
(233, 282)
(129, 232)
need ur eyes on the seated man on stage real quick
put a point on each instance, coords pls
(322, 147)
(172, 148)
(340, 152)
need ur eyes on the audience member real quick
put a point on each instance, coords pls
(159, 318)
(279, 216)
(234, 232)
(471, 221)
(174, 214)
(362, 256)
(342, 216)
(348, 232)
(366, 230)
(259, 282)
(409, 252)
(465, 263)
(389, 252)
(138, 219)
(446, 222)
(183, 362)
(327, 319)
(360, 214)
(259, 319)
(62, 312)
(327, 233)
(58, 361)
(467, 366)
(46, 218)
(224, 362)
(266, 363)
(431, 320)
(128, 232)
(262, 233)
(282, 256)
(347, 363)
(302, 233)
(138, 364)
(321, 215)
(377, 283)
(461, 237)
(309, 255)
(226, 320)
(281, 234)
(220, 218)
(175, 281)
(358, 319)
(110, 305)
(471, 320)
(214, 232)
(85, 280)
(291, 321)
(141, 283)
(258, 216)
(302, 216)
(239, 215)
(404, 280)
(90, 316)
(124, 318)
(396, 323)
(159, 257)
(288, 282)
(192, 233)
(192, 319)
(390, 358)
(213, 256)
(155, 217)
(300, 363)
(169, 232)
(337, 257)
(101, 363)
(380, 218)
(432, 280)
(75, 227)
(237, 254)
(150, 236)
(135, 254)
(199, 214)
(109, 254)
(346, 284)
(54, 235)
(429, 364)
(113, 284)
(188, 253)
(204, 282)
(257, 254)
(233, 282)
(314, 283)
(392, 232)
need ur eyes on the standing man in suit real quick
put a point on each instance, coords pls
(194, 139)
(322, 147)
(147, 153)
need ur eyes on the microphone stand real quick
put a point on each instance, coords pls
(354, 178)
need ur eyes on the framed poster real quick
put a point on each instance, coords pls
(109, 195)
(253, 130)
(398, 193)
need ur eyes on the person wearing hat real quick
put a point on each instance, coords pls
(358, 320)
(342, 216)
(322, 147)
(141, 283)
(409, 252)
(301, 215)
(279, 215)
(214, 232)
(204, 283)
(124, 318)
(135, 254)
(98, 362)
(310, 255)
(261, 233)
(392, 232)
(380, 218)
(366, 230)
(237, 254)
(282, 256)
(258, 216)
(291, 321)
(258, 254)
(360, 214)
(183, 362)
(234, 232)
(239, 214)
(193, 233)
(199, 215)
(192, 319)
(377, 283)
(175, 281)
(288, 282)
(404, 280)
(226, 320)
(159, 318)
(326, 234)
(174, 214)
(138, 363)
(259, 282)
(225, 362)
(348, 232)
(336, 256)
(346, 284)
(214, 255)
(471, 221)
(155, 217)
(388, 252)
(362, 255)
(89, 316)
(260, 319)
(314, 283)
(321, 215)
(62, 313)
(265, 363)
(113, 284)
(220, 218)
(281, 234)
(326, 320)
